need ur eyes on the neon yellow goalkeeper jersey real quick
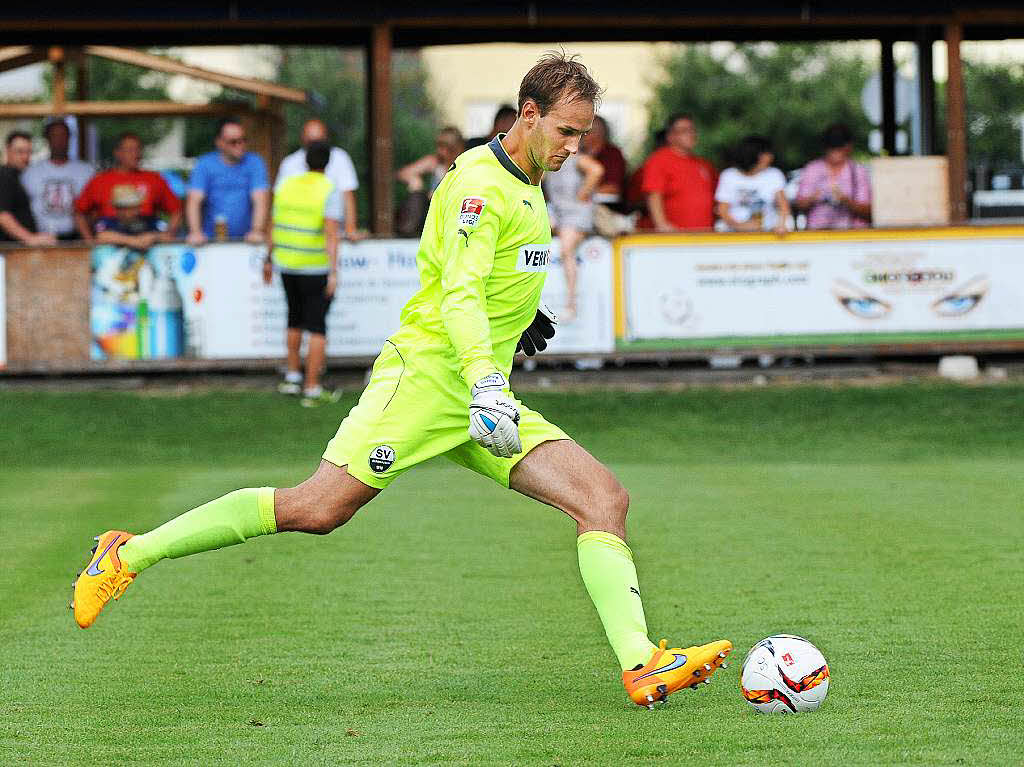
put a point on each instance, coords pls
(482, 259)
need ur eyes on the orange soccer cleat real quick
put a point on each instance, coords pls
(670, 670)
(102, 579)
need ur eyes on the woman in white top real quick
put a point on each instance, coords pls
(751, 196)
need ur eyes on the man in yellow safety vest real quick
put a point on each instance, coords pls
(305, 234)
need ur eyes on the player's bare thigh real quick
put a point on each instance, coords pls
(322, 503)
(562, 474)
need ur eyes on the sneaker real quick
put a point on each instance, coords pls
(670, 670)
(285, 387)
(325, 397)
(102, 579)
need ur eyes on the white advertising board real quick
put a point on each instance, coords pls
(872, 286)
(211, 302)
(3, 313)
(593, 330)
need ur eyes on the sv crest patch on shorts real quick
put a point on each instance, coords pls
(381, 458)
(533, 258)
(472, 207)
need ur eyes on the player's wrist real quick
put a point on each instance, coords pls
(492, 382)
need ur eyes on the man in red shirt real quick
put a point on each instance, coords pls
(678, 185)
(97, 198)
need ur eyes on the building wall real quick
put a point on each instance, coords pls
(469, 82)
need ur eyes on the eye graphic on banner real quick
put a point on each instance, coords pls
(962, 299)
(858, 303)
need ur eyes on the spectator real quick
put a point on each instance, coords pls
(678, 185)
(504, 118)
(610, 190)
(129, 228)
(16, 220)
(96, 200)
(54, 183)
(834, 190)
(569, 191)
(228, 188)
(414, 210)
(340, 170)
(751, 197)
(304, 246)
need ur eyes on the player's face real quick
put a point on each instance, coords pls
(559, 133)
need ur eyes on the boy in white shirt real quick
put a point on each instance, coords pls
(750, 196)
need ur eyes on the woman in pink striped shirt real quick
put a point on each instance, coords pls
(834, 190)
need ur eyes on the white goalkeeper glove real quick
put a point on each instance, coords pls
(494, 417)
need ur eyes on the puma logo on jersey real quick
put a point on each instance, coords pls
(465, 234)
(533, 258)
(528, 204)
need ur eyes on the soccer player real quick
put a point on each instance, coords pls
(440, 387)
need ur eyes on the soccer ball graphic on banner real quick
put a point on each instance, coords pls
(784, 674)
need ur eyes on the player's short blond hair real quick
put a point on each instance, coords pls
(557, 76)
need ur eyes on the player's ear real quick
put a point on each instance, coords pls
(530, 113)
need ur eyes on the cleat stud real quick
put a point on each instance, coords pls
(93, 550)
(725, 665)
(707, 667)
(696, 673)
(650, 699)
(650, 707)
(707, 681)
(721, 655)
(663, 689)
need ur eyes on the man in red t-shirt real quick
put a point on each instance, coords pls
(678, 185)
(97, 198)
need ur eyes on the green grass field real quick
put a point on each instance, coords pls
(447, 624)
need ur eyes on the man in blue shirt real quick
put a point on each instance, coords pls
(228, 196)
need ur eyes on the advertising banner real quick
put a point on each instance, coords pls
(893, 285)
(3, 314)
(211, 302)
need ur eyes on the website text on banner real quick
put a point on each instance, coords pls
(840, 290)
(210, 302)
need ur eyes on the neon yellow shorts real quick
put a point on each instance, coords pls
(416, 407)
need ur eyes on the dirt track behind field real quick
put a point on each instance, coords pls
(630, 378)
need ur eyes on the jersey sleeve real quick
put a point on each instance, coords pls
(469, 235)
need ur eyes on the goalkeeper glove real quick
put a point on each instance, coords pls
(494, 417)
(535, 338)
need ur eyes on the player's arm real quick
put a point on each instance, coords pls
(469, 241)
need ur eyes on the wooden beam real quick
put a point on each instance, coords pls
(380, 138)
(82, 94)
(122, 109)
(17, 56)
(161, 64)
(956, 125)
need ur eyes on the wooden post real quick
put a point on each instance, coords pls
(56, 56)
(82, 94)
(926, 90)
(380, 138)
(888, 78)
(956, 125)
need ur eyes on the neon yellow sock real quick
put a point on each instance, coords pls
(228, 520)
(606, 564)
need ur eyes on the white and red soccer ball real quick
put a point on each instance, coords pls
(784, 674)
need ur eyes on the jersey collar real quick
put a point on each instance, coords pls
(507, 162)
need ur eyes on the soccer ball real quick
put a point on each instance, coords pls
(784, 674)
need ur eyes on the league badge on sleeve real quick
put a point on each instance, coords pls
(472, 207)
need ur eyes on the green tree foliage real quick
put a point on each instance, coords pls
(788, 93)
(995, 105)
(338, 78)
